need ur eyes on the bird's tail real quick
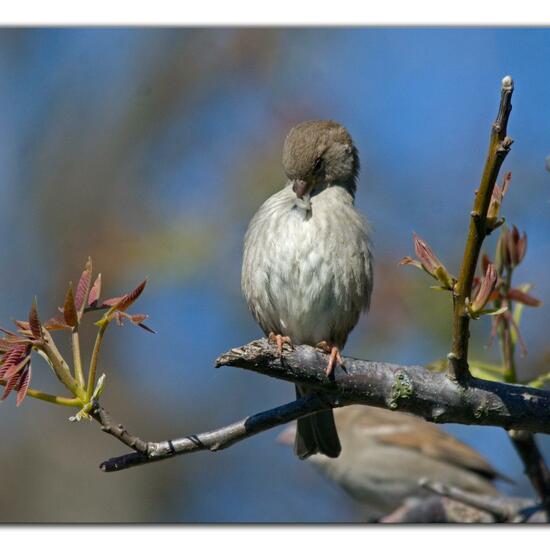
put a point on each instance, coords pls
(316, 433)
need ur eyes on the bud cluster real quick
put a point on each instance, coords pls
(430, 263)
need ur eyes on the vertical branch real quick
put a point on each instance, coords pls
(504, 331)
(535, 466)
(523, 441)
(499, 145)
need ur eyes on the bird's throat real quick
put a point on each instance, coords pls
(303, 206)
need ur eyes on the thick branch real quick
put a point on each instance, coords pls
(410, 389)
(499, 146)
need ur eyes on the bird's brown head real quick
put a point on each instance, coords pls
(317, 154)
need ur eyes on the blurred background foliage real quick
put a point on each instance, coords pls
(150, 149)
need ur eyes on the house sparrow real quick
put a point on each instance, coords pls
(385, 454)
(307, 264)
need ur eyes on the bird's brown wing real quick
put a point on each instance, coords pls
(418, 434)
(443, 447)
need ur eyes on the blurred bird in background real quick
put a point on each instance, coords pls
(307, 265)
(385, 454)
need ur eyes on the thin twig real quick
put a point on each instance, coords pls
(499, 146)
(48, 397)
(94, 359)
(99, 414)
(214, 440)
(59, 365)
(77, 359)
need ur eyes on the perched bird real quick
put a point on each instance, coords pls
(385, 454)
(307, 263)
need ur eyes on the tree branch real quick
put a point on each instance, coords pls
(215, 440)
(535, 466)
(499, 146)
(410, 389)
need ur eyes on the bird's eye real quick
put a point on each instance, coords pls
(317, 165)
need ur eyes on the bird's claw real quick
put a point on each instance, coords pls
(334, 359)
(279, 340)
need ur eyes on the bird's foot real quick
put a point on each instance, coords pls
(335, 357)
(280, 341)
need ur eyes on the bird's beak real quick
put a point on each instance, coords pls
(301, 188)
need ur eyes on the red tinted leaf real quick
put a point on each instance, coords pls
(496, 201)
(23, 385)
(128, 299)
(93, 297)
(124, 302)
(425, 254)
(138, 318)
(516, 246)
(486, 288)
(506, 182)
(524, 298)
(83, 288)
(407, 260)
(22, 325)
(14, 356)
(485, 262)
(69, 308)
(34, 322)
(56, 323)
(12, 382)
(8, 332)
(522, 247)
(110, 302)
(18, 367)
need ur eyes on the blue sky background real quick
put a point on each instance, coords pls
(150, 149)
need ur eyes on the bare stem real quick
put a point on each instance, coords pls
(507, 345)
(60, 367)
(499, 145)
(77, 360)
(215, 440)
(94, 359)
(55, 399)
